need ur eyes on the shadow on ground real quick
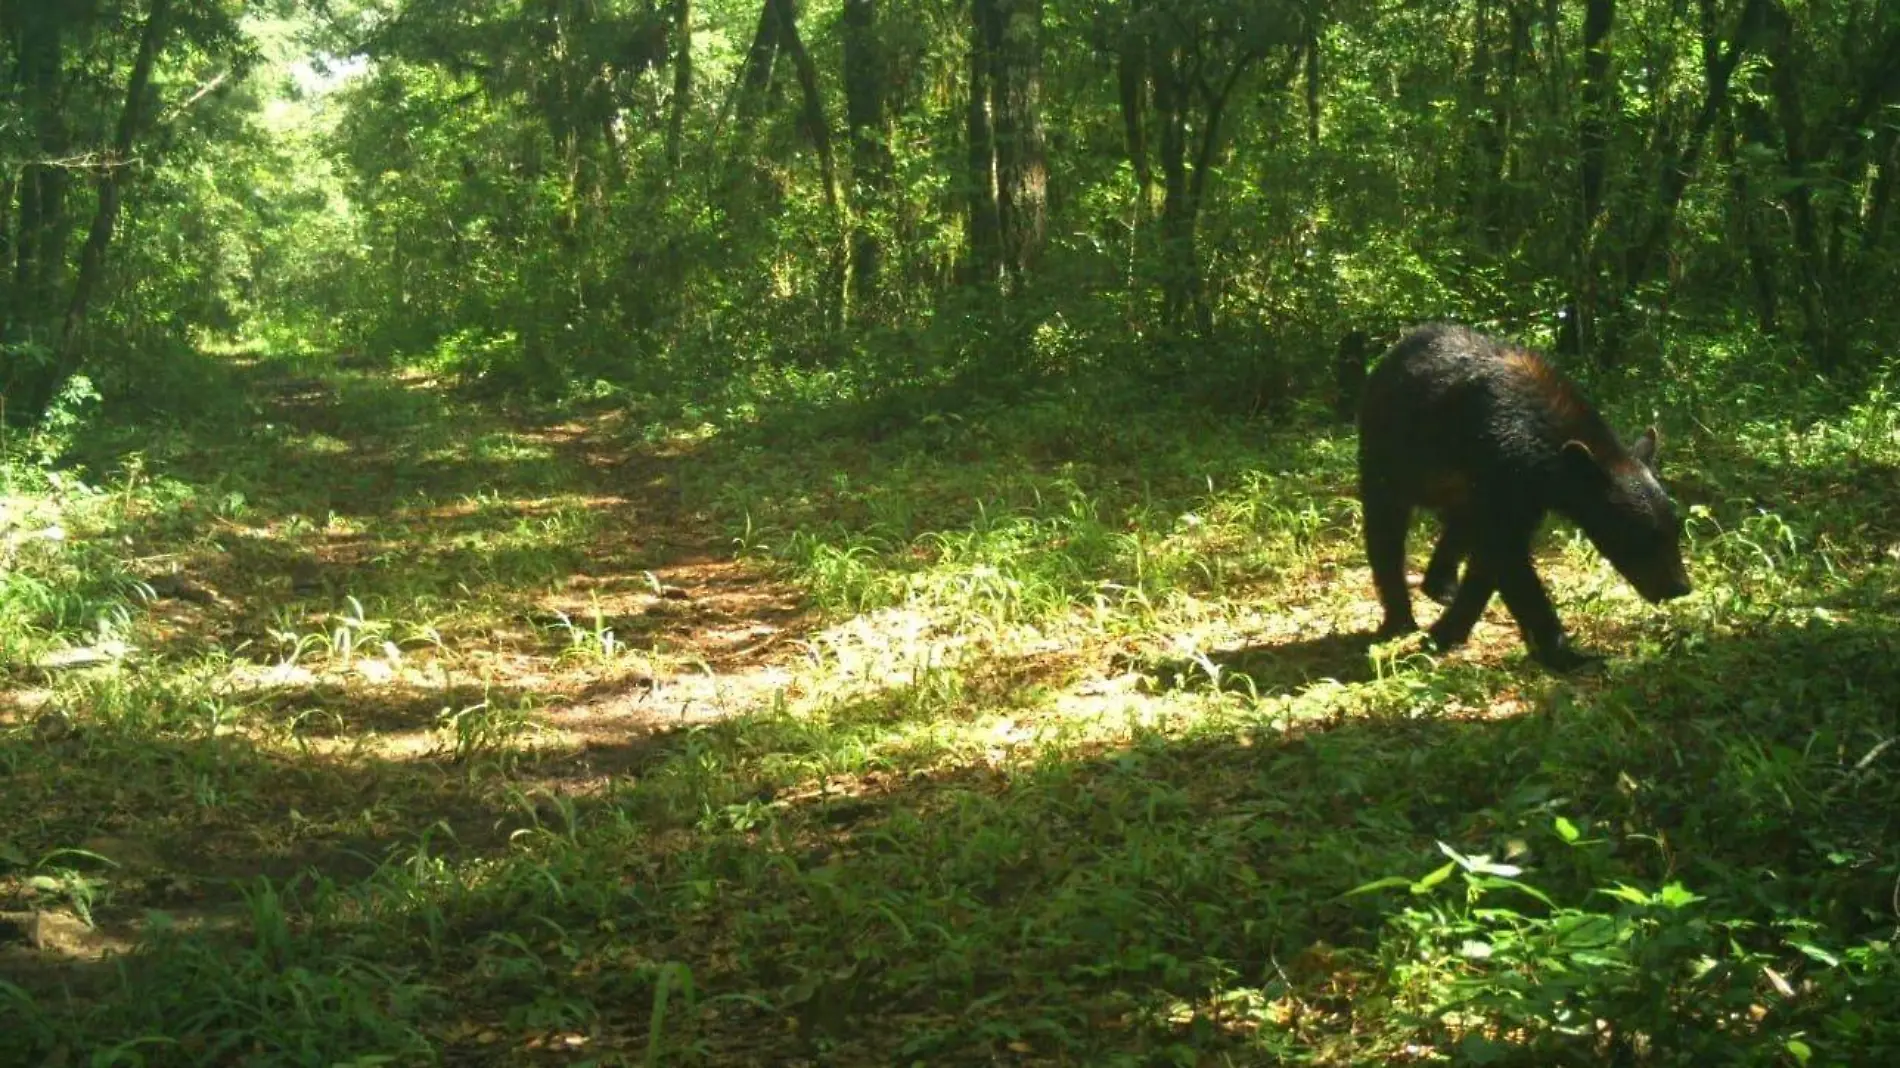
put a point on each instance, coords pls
(1090, 897)
(836, 902)
(1267, 669)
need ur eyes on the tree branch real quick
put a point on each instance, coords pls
(171, 114)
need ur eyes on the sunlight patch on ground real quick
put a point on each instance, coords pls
(491, 689)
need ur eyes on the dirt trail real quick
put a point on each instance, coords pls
(727, 629)
(716, 632)
(481, 584)
(708, 633)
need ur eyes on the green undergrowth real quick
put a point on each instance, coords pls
(1082, 762)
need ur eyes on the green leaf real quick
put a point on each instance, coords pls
(1626, 892)
(1567, 831)
(1379, 884)
(1814, 952)
(1434, 878)
(1493, 882)
(1486, 866)
(1676, 896)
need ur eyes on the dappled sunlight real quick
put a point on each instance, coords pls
(787, 535)
(1095, 725)
(826, 724)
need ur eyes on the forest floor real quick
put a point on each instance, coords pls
(377, 721)
(407, 579)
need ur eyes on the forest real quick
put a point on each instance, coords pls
(831, 532)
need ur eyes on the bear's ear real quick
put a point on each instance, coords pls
(1579, 458)
(1645, 448)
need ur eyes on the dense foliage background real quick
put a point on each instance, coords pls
(1008, 342)
(554, 194)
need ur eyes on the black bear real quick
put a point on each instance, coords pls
(1491, 437)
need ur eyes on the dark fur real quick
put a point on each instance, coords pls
(1492, 438)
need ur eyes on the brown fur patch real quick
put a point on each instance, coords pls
(1557, 390)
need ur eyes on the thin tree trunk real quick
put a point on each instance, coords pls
(1857, 154)
(40, 251)
(1554, 66)
(1214, 101)
(616, 152)
(742, 173)
(1312, 83)
(9, 186)
(1680, 163)
(1131, 78)
(1593, 137)
(1180, 281)
(870, 151)
(1880, 198)
(818, 128)
(1131, 75)
(1349, 373)
(1598, 101)
(1784, 78)
(1761, 263)
(1480, 186)
(983, 223)
(112, 180)
(1519, 55)
(811, 101)
(682, 83)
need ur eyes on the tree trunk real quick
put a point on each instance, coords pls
(1761, 262)
(864, 72)
(1679, 163)
(1131, 91)
(1184, 298)
(1854, 285)
(1519, 55)
(1022, 173)
(1181, 271)
(1880, 198)
(1349, 373)
(1312, 83)
(40, 249)
(1484, 166)
(111, 183)
(983, 224)
(9, 186)
(1554, 66)
(1598, 101)
(1593, 137)
(818, 128)
(743, 176)
(811, 101)
(1131, 76)
(1214, 100)
(1784, 78)
(682, 83)
(756, 76)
